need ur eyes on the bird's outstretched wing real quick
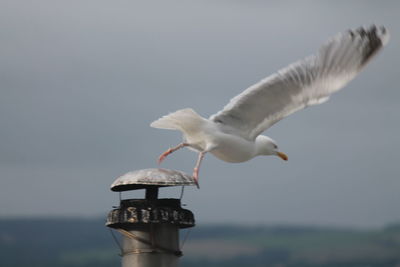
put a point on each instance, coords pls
(307, 82)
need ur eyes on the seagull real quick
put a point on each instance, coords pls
(234, 133)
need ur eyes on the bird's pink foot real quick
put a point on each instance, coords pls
(169, 151)
(164, 155)
(196, 177)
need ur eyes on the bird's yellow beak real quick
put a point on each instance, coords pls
(282, 155)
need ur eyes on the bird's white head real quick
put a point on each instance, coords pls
(267, 146)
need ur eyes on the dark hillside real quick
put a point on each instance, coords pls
(86, 243)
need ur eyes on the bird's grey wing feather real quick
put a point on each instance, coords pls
(307, 82)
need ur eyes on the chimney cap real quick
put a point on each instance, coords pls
(146, 178)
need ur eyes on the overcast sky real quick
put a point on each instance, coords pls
(80, 81)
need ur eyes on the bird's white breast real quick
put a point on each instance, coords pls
(225, 146)
(231, 148)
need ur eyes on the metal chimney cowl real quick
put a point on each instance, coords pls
(150, 226)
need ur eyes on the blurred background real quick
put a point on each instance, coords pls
(82, 80)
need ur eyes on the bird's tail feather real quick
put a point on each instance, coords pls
(186, 120)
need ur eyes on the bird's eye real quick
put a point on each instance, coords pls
(275, 146)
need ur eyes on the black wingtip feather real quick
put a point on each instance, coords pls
(374, 40)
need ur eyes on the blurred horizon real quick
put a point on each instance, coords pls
(57, 218)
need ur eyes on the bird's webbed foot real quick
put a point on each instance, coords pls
(169, 151)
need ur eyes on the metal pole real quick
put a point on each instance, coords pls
(162, 250)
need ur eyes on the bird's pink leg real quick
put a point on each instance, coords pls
(197, 167)
(170, 150)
